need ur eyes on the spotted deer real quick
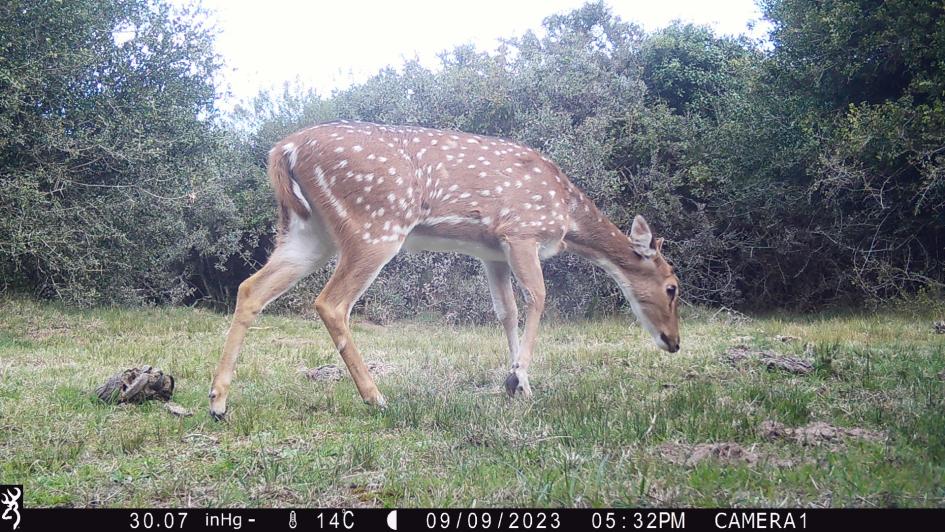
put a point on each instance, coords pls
(364, 192)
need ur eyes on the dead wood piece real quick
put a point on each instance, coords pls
(137, 385)
(177, 409)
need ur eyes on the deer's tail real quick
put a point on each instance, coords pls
(288, 191)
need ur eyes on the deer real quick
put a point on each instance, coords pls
(364, 192)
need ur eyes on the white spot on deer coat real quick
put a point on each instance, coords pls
(298, 193)
(289, 149)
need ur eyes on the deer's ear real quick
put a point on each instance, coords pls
(641, 238)
(658, 245)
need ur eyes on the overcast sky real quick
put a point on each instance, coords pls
(329, 45)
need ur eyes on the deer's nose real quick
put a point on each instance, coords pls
(671, 346)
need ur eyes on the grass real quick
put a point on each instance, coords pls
(605, 402)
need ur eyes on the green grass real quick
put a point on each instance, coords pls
(605, 401)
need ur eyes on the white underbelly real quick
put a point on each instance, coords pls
(416, 242)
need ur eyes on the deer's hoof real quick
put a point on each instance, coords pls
(217, 406)
(517, 383)
(511, 384)
(377, 401)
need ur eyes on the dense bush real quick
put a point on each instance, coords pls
(111, 166)
(800, 175)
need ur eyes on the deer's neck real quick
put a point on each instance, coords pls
(596, 238)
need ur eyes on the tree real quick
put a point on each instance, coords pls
(109, 157)
(868, 78)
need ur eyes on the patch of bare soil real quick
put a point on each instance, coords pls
(730, 453)
(379, 369)
(738, 354)
(295, 342)
(277, 495)
(817, 433)
(333, 373)
(771, 359)
(327, 373)
(42, 333)
(690, 455)
(39, 330)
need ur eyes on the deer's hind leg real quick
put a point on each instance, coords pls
(358, 266)
(302, 250)
(525, 263)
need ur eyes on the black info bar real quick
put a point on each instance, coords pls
(298, 519)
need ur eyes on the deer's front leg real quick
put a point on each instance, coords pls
(526, 265)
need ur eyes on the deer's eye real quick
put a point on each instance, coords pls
(671, 292)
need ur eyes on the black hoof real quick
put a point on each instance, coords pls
(511, 384)
(217, 416)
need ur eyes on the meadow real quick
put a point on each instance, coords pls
(613, 422)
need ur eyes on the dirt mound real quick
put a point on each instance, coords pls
(379, 369)
(690, 455)
(726, 452)
(738, 354)
(816, 433)
(332, 372)
(772, 360)
(328, 372)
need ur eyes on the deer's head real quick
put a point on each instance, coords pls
(651, 287)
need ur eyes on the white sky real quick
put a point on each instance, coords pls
(330, 45)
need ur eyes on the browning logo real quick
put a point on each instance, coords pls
(11, 498)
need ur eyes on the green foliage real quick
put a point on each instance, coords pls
(865, 80)
(110, 163)
(804, 174)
